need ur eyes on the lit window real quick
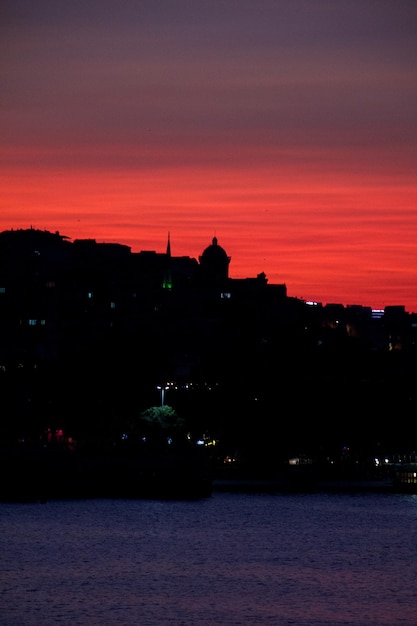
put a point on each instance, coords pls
(32, 322)
(2, 289)
(112, 305)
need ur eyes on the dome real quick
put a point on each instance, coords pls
(214, 252)
(214, 261)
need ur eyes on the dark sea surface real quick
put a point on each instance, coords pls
(233, 559)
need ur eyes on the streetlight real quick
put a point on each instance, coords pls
(162, 389)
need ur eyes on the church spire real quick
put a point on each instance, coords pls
(169, 246)
(167, 281)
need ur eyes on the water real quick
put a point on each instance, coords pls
(232, 559)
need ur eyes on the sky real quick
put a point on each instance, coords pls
(285, 128)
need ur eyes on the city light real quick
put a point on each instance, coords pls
(162, 390)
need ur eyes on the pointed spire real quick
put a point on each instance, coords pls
(167, 280)
(169, 246)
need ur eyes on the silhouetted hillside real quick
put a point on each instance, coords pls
(89, 331)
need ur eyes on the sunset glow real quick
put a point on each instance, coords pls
(287, 129)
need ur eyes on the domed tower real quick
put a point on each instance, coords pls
(214, 263)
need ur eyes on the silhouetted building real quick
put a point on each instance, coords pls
(214, 263)
(87, 331)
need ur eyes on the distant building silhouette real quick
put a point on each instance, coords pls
(58, 296)
(89, 330)
(214, 263)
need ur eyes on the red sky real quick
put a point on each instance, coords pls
(288, 129)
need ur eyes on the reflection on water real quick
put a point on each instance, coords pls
(232, 559)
